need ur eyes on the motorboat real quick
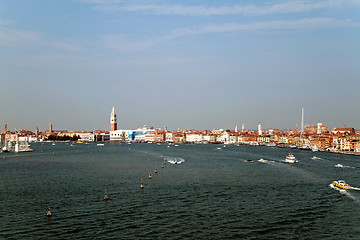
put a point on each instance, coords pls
(100, 144)
(315, 158)
(249, 160)
(339, 165)
(341, 184)
(290, 158)
(262, 160)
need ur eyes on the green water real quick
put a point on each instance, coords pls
(212, 194)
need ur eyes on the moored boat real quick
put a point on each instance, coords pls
(341, 184)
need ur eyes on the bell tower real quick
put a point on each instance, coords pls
(113, 120)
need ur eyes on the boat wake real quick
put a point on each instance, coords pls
(339, 165)
(175, 160)
(266, 161)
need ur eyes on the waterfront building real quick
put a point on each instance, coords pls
(120, 135)
(194, 137)
(344, 130)
(209, 138)
(169, 136)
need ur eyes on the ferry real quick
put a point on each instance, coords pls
(341, 184)
(290, 158)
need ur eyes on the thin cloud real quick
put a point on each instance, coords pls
(6, 22)
(120, 43)
(248, 10)
(17, 38)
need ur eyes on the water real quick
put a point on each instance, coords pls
(208, 194)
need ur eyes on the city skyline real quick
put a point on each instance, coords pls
(183, 64)
(113, 126)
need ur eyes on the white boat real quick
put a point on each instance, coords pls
(290, 158)
(271, 144)
(339, 165)
(304, 147)
(100, 144)
(315, 158)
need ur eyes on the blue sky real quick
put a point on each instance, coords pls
(183, 64)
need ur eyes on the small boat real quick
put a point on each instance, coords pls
(162, 166)
(219, 148)
(142, 186)
(249, 160)
(315, 157)
(290, 158)
(341, 184)
(155, 170)
(262, 160)
(100, 144)
(48, 214)
(339, 165)
(149, 175)
(53, 144)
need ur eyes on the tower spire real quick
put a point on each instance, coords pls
(113, 120)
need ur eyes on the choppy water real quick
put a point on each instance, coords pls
(209, 194)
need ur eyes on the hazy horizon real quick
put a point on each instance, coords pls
(180, 64)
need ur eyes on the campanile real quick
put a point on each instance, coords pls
(113, 120)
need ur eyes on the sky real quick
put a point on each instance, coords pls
(181, 64)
